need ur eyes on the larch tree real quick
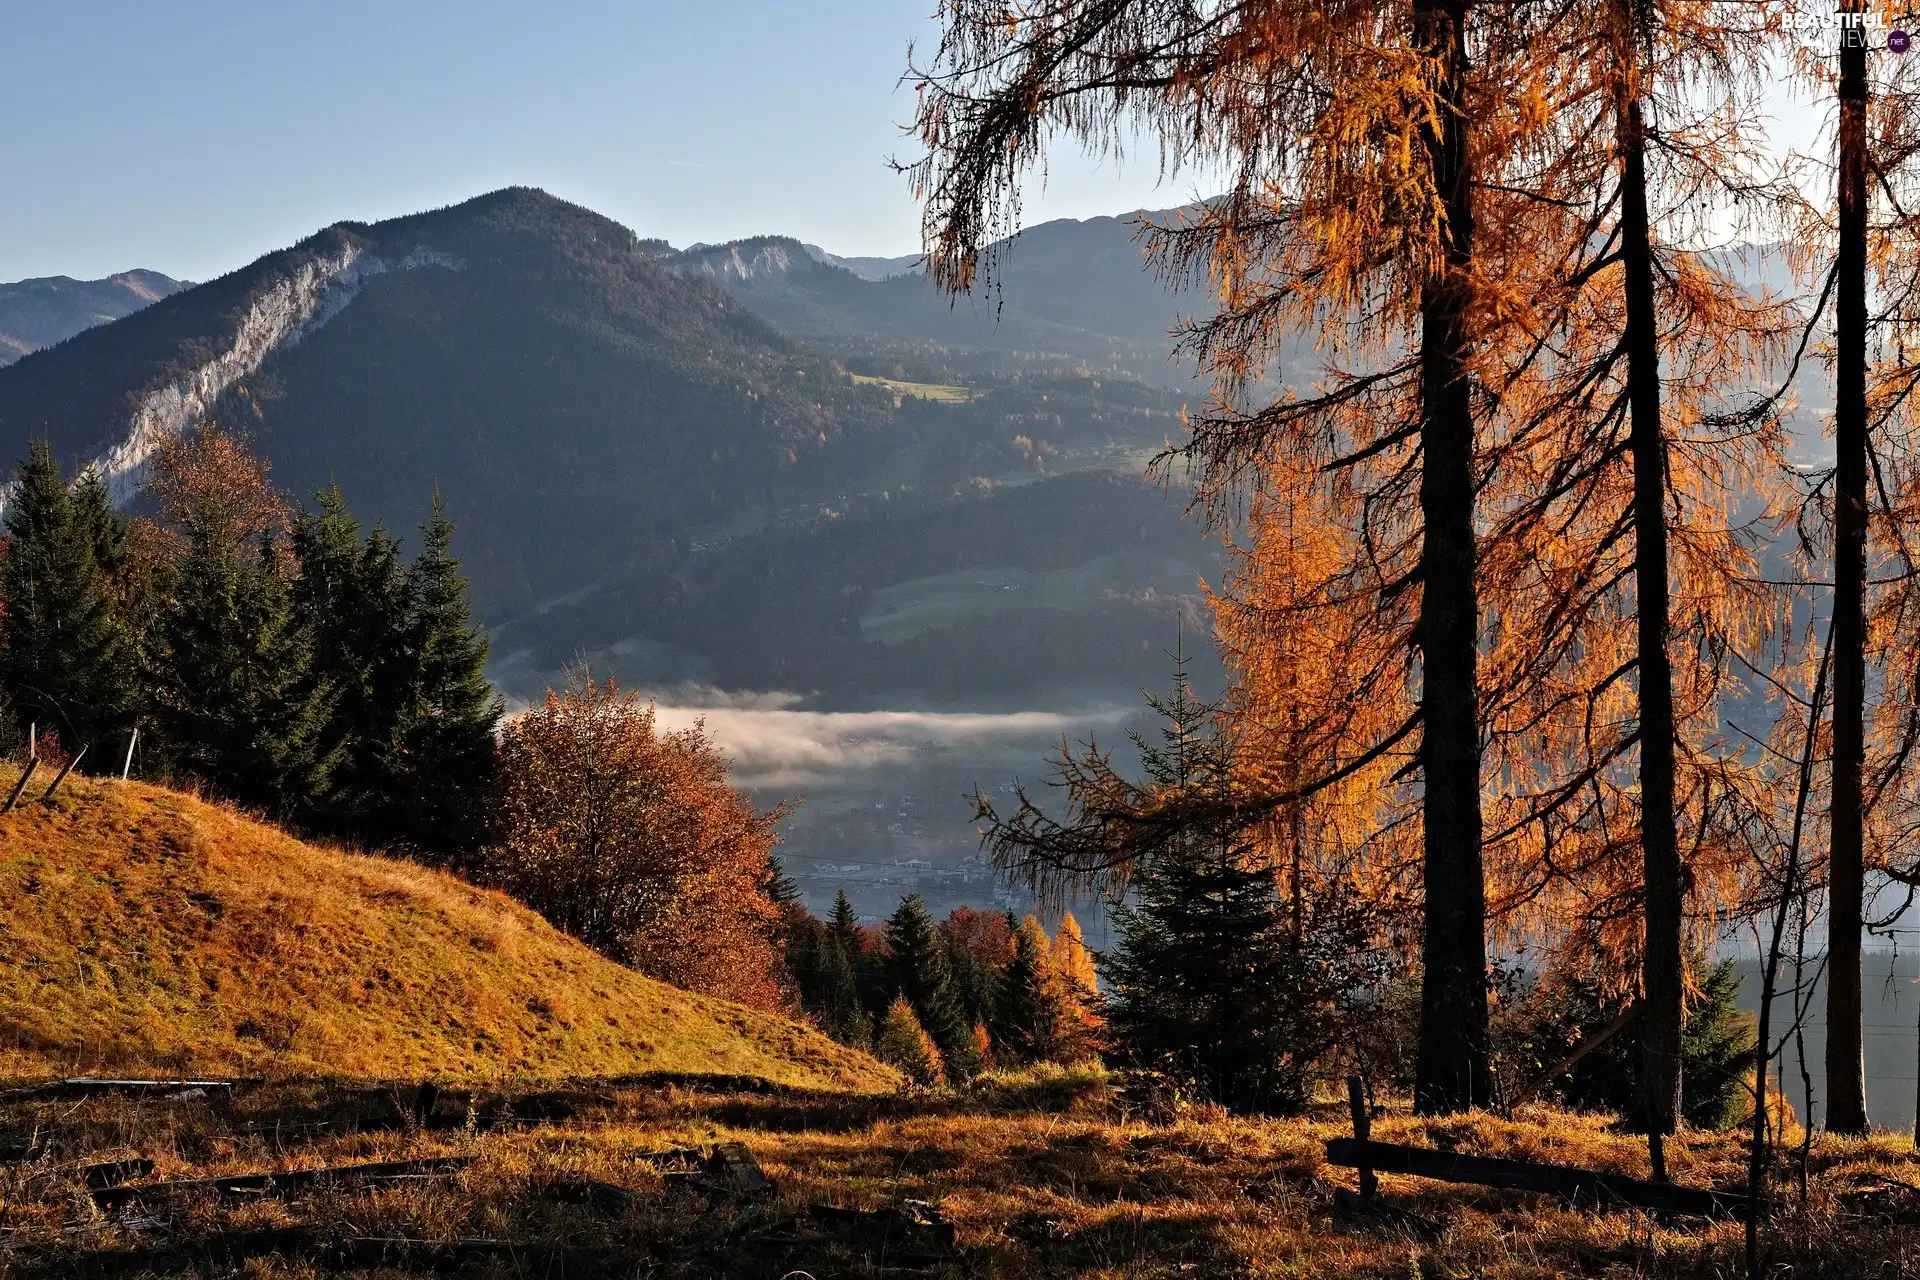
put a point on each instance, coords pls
(1377, 159)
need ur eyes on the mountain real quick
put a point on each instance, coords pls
(575, 403)
(618, 434)
(145, 928)
(39, 313)
(1067, 293)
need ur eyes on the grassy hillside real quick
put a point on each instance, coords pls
(143, 927)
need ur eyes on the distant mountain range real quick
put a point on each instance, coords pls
(659, 465)
(1067, 295)
(39, 313)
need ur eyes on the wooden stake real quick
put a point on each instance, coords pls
(127, 767)
(33, 762)
(65, 770)
(1362, 1131)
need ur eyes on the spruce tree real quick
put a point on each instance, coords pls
(1026, 1006)
(352, 598)
(1212, 983)
(240, 704)
(922, 975)
(443, 744)
(65, 660)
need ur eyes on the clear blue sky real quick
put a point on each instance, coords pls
(191, 136)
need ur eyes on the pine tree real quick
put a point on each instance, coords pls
(905, 1044)
(922, 975)
(1213, 983)
(443, 743)
(64, 657)
(1027, 1004)
(780, 888)
(239, 703)
(351, 595)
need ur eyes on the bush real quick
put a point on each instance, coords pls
(1548, 1018)
(631, 840)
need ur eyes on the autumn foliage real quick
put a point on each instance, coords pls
(631, 839)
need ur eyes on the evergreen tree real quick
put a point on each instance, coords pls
(922, 975)
(780, 888)
(65, 660)
(415, 716)
(1026, 1006)
(353, 599)
(1208, 986)
(443, 744)
(841, 1015)
(239, 703)
(905, 1044)
(1213, 983)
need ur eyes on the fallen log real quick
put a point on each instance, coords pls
(285, 1183)
(1547, 1179)
(112, 1173)
(86, 1086)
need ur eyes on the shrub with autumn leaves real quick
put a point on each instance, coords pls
(631, 839)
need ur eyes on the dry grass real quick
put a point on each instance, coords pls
(143, 928)
(1049, 1177)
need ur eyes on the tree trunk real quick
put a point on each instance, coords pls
(1451, 1073)
(1846, 1079)
(1659, 839)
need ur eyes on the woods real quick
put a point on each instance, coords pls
(1539, 567)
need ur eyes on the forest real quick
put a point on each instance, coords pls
(1566, 664)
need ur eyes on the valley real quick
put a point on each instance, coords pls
(737, 474)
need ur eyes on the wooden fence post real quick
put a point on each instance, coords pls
(64, 771)
(33, 762)
(1362, 1130)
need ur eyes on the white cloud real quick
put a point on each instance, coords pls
(774, 746)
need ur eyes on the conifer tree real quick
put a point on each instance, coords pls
(64, 657)
(1027, 1008)
(352, 597)
(240, 704)
(1080, 1021)
(922, 975)
(905, 1044)
(442, 759)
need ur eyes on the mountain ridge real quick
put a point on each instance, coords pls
(46, 310)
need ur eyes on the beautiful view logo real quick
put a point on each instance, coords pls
(1869, 29)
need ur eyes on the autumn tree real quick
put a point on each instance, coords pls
(632, 840)
(1358, 142)
(922, 973)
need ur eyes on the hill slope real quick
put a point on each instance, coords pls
(38, 313)
(143, 927)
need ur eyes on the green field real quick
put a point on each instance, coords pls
(923, 390)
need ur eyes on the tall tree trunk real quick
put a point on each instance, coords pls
(1846, 1076)
(1661, 985)
(1451, 1073)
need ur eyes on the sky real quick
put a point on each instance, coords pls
(191, 136)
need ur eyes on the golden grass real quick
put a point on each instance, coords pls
(1050, 1177)
(144, 928)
